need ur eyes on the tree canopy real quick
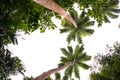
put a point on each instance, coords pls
(108, 65)
(30, 15)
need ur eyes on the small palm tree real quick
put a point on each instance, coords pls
(111, 10)
(77, 58)
(83, 24)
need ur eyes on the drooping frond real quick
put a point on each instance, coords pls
(68, 71)
(76, 71)
(83, 65)
(65, 52)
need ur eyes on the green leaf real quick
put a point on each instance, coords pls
(64, 30)
(65, 52)
(57, 76)
(76, 71)
(64, 59)
(79, 39)
(83, 65)
(68, 71)
(70, 49)
(112, 15)
(106, 20)
(71, 36)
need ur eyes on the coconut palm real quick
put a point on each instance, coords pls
(77, 58)
(83, 24)
(71, 61)
(111, 10)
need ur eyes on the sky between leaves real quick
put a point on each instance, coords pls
(41, 51)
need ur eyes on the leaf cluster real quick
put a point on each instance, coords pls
(9, 65)
(109, 64)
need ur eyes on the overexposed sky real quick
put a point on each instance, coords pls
(41, 51)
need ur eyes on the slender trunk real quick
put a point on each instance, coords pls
(50, 4)
(48, 73)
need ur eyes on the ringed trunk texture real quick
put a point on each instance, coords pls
(48, 73)
(50, 4)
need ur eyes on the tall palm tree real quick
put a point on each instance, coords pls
(50, 4)
(111, 10)
(71, 61)
(77, 58)
(83, 24)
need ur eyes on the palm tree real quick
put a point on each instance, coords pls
(9, 65)
(77, 58)
(71, 61)
(111, 10)
(83, 24)
(50, 4)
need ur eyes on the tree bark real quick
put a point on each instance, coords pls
(50, 4)
(48, 73)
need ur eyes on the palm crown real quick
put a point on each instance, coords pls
(83, 24)
(76, 58)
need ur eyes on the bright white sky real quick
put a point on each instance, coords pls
(41, 51)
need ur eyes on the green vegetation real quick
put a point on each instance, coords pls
(28, 16)
(109, 68)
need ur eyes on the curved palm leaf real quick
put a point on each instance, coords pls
(77, 57)
(111, 10)
(83, 24)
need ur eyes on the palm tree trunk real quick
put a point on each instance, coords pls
(50, 4)
(48, 73)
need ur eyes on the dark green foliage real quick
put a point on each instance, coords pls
(102, 10)
(77, 58)
(109, 64)
(9, 65)
(57, 76)
(83, 24)
(25, 15)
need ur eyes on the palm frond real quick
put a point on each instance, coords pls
(115, 10)
(65, 52)
(83, 65)
(79, 39)
(74, 14)
(83, 21)
(76, 71)
(106, 20)
(61, 64)
(83, 57)
(78, 51)
(64, 59)
(64, 30)
(82, 15)
(57, 76)
(66, 23)
(65, 78)
(70, 49)
(87, 32)
(71, 37)
(112, 15)
(68, 71)
(113, 2)
(88, 24)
